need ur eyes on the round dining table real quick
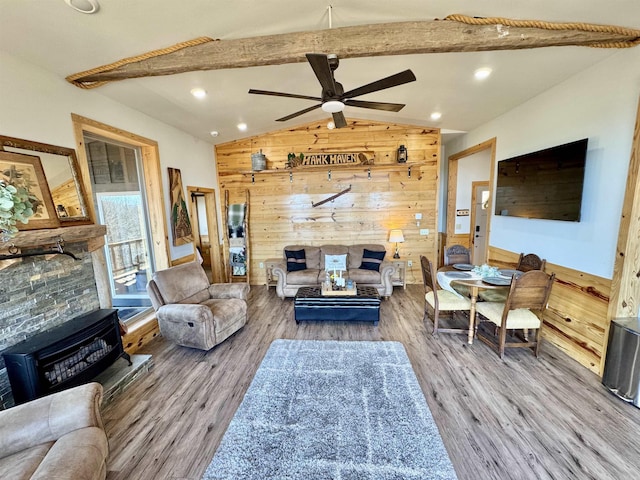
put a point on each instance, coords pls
(472, 287)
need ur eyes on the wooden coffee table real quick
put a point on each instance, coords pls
(310, 305)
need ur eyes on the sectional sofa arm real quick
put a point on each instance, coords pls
(386, 272)
(184, 312)
(229, 290)
(48, 418)
(279, 271)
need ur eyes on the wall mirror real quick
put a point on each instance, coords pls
(62, 173)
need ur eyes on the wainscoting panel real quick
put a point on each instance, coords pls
(576, 319)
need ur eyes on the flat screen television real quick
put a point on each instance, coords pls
(544, 184)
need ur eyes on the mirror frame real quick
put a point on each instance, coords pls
(70, 153)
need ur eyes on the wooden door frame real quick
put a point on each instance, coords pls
(153, 188)
(472, 222)
(215, 253)
(452, 187)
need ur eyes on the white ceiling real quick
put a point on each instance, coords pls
(55, 37)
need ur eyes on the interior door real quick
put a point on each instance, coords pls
(479, 217)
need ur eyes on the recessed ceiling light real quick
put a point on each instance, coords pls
(214, 133)
(436, 116)
(242, 126)
(198, 92)
(84, 6)
(482, 73)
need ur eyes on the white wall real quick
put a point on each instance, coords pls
(599, 103)
(473, 168)
(37, 105)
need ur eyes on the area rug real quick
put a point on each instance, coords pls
(319, 410)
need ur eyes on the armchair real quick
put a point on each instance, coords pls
(193, 313)
(59, 436)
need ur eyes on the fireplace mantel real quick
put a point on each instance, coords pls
(93, 234)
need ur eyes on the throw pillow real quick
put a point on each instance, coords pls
(296, 260)
(335, 262)
(371, 260)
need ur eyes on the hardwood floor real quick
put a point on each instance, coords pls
(517, 418)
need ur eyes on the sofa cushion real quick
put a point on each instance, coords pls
(22, 464)
(312, 254)
(303, 277)
(356, 252)
(364, 276)
(371, 260)
(296, 260)
(332, 250)
(335, 262)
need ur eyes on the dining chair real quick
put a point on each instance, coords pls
(529, 262)
(439, 301)
(457, 254)
(523, 309)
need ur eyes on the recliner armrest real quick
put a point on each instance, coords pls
(184, 312)
(229, 290)
(48, 418)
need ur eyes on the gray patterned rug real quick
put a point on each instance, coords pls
(319, 410)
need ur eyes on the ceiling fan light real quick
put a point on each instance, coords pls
(332, 106)
(331, 125)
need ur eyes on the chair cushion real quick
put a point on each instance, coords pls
(519, 318)
(447, 301)
(296, 260)
(372, 260)
(180, 282)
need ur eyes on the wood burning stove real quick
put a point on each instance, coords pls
(66, 356)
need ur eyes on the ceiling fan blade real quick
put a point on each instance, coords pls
(279, 94)
(389, 107)
(338, 120)
(297, 114)
(320, 65)
(387, 82)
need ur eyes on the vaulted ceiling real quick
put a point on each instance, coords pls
(62, 41)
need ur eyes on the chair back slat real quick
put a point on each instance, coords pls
(457, 254)
(529, 262)
(428, 275)
(530, 291)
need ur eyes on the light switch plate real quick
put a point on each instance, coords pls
(409, 263)
(261, 264)
(418, 216)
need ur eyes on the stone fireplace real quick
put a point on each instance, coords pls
(42, 292)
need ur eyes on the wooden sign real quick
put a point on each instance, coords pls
(324, 159)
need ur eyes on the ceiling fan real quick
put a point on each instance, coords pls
(333, 98)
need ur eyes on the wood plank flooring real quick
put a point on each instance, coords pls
(517, 418)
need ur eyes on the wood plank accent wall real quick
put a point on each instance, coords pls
(383, 196)
(576, 320)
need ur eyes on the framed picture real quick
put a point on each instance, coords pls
(180, 223)
(26, 171)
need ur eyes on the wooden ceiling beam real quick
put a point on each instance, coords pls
(402, 38)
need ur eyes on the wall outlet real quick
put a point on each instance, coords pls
(424, 231)
(261, 264)
(409, 263)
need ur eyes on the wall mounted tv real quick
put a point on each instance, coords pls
(545, 184)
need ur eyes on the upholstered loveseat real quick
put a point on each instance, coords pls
(304, 266)
(55, 437)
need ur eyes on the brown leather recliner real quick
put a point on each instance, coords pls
(59, 436)
(193, 313)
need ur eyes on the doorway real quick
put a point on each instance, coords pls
(206, 237)
(479, 217)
